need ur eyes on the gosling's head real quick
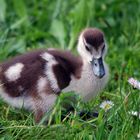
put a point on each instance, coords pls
(91, 47)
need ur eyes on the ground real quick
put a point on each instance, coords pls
(32, 24)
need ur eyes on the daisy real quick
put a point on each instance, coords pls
(106, 105)
(135, 113)
(135, 83)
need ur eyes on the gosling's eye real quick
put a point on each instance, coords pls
(103, 49)
(87, 48)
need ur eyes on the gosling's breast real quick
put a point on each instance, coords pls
(88, 85)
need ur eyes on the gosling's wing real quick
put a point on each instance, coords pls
(21, 74)
(67, 65)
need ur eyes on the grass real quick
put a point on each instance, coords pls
(27, 25)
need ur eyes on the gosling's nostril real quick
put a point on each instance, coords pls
(95, 64)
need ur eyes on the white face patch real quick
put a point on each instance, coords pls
(14, 72)
(49, 70)
(87, 57)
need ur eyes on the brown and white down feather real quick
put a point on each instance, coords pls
(34, 80)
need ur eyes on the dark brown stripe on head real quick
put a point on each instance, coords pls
(93, 37)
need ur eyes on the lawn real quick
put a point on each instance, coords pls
(33, 24)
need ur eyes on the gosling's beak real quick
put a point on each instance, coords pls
(98, 67)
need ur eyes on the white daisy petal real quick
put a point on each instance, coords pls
(135, 113)
(106, 105)
(135, 83)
